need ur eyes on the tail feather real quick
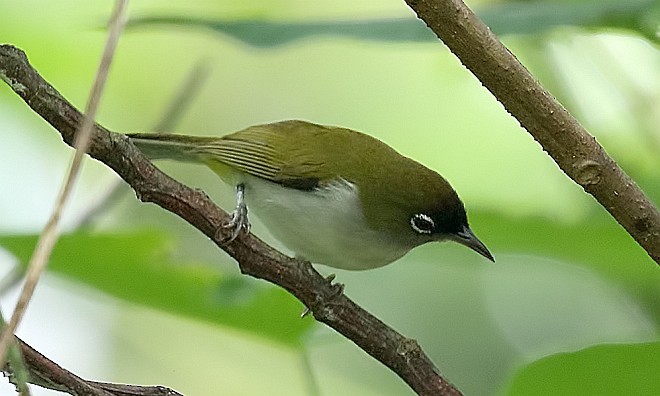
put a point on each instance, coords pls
(170, 146)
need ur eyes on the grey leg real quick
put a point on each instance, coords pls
(239, 218)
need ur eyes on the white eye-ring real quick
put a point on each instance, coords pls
(422, 223)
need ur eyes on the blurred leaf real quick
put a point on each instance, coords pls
(622, 369)
(539, 16)
(137, 267)
(544, 306)
(262, 33)
(597, 242)
(639, 16)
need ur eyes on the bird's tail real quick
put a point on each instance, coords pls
(170, 146)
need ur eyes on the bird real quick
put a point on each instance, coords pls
(333, 196)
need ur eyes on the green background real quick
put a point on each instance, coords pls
(134, 295)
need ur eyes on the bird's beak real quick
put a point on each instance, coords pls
(466, 237)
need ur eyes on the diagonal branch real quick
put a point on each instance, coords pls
(575, 151)
(48, 374)
(404, 356)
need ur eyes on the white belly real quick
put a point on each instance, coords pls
(325, 226)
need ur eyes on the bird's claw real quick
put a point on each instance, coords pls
(337, 290)
(239, 222)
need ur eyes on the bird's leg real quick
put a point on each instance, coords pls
(337, 290)
(239, 217)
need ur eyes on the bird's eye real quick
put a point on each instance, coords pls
(422, 223)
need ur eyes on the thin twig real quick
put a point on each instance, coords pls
(311, 382)
(11, 279)
(188, 89)
(183, 98)
(50, 234)
(48, 374)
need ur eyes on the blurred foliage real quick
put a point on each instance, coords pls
(637, 16)
(603, 248)
(534, 17)
(568, 281)
(137, 267)
(140, 268)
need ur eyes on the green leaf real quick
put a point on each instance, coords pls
(539, 16)
(138, 267)
(264, 34)
(596, 242)
(622, 369)
(639, 16)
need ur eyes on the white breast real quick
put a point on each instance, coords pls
(324, 226)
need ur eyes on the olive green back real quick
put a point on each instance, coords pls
(305, 156)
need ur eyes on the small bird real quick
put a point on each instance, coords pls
(334, 196)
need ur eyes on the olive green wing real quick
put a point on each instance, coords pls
(281, 152)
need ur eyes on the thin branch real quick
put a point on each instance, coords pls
(575, 151)
(50, 234)
(183, 97)
(177, 107)
(403, 355)
(48, 374)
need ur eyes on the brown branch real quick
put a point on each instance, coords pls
(575, 151)
(402, 355)
(48, 374)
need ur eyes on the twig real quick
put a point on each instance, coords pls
(48, 374)
(175, 110)
(50, 234)
(403, 355)
(575, 151)
(183, 98)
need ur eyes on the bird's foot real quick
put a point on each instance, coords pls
(337, 290)
(239, 222)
